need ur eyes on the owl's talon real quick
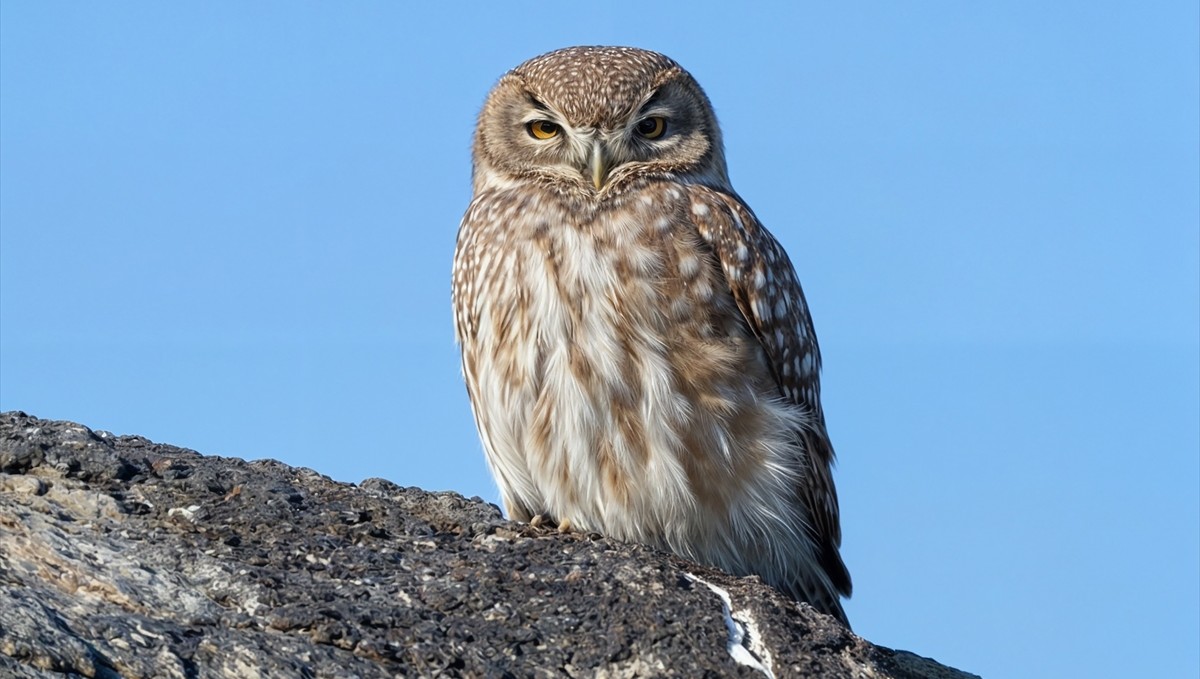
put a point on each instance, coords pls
(537, 520)
(564, 526)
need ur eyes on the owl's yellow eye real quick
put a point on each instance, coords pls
(542, 129)
(652, 128)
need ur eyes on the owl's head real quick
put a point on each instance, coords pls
(590, 119)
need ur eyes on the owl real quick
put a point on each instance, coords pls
(638, 352)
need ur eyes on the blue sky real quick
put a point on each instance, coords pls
(229, 226)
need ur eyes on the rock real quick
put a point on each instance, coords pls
(120, 557)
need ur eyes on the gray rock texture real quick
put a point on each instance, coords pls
(120, 557)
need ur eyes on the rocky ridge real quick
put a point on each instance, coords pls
(120, 557)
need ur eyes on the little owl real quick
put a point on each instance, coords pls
(637, 349)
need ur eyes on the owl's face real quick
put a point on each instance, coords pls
(588, 120)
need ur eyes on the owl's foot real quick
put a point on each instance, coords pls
(542, 520)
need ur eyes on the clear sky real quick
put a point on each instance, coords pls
(229, 226)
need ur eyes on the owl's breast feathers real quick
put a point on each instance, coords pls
(647, 369)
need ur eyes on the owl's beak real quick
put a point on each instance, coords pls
(598, 164)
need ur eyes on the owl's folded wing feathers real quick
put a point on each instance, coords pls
(764, 284)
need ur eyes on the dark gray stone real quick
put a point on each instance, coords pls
(120, 557)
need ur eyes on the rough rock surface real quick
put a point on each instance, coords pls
(120, 557)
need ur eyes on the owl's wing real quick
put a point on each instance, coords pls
(764, 284)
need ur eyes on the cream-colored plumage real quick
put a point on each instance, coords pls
(638, 351)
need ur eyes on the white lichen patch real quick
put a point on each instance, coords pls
(745, 644)
(189, 513)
